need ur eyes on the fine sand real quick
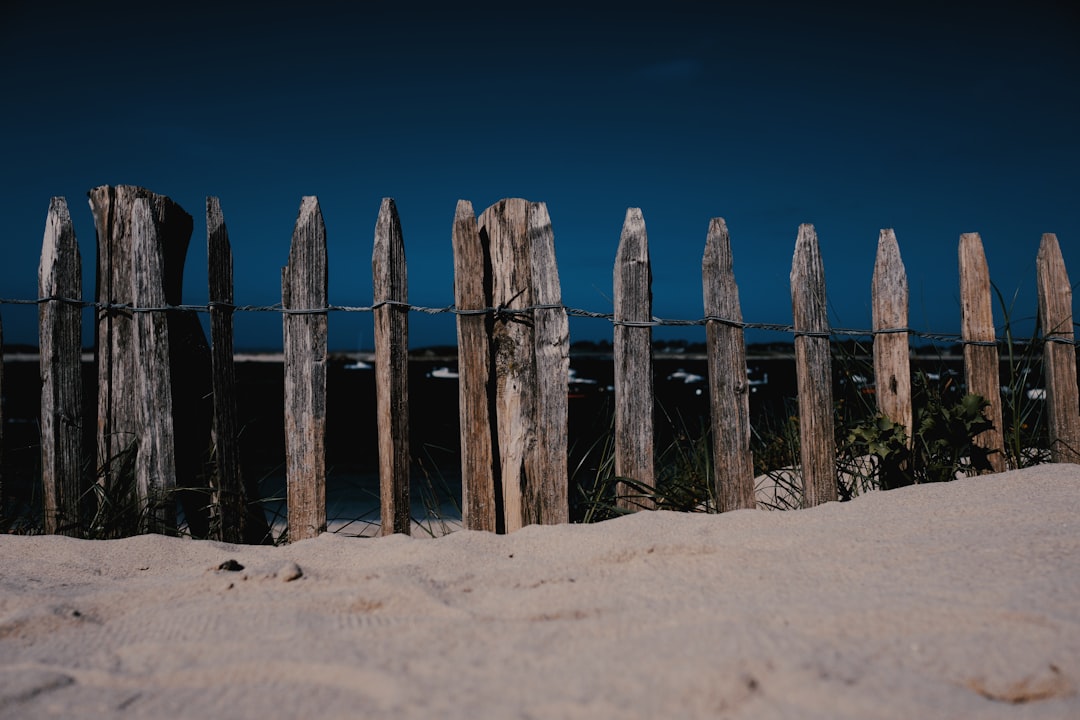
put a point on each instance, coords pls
(943, 601)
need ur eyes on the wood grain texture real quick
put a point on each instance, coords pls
(392, 368)
(1059, 358)
(117, 400)
(478, 465)
(889, 310)
(236, 521)
(155, 468)
(503, 227)
(729, 387)
(813, 366)
(546, 498)
(304, 289)
(634, 394)
(981, 360)
(60, 349)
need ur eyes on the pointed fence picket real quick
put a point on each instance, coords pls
(513, 344)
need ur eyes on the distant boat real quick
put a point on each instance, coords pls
(359, 365)
(687, 378)
(755, 379)
(579, 387)
(443, 373)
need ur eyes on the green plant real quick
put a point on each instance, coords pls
(1022, 406)
(941, 447)
(683, 481)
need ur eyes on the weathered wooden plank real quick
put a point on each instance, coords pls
(503, 226)
(813, 366)
(304, 299)
(478, 488)
(634, 397)
(1059, 355)
(547, 488)
(729, 387)
(892, 359)
(980, 350)
(60, 333)
(116, 415)
(117, 406)
(392, 368)
(155, 470)
(230, 497)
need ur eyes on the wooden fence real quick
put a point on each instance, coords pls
(513, 344)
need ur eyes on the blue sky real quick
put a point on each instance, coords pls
(854, 117)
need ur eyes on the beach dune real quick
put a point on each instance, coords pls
(959, 600)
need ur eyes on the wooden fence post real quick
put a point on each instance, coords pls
(634, 398)
(528, 410)
(236, 521)
(60, 332)
(980, 350)
(729, 386)
(813, 366)
(117, 370)
(503, 225)
(304, 299)
(155, 469)
(547, 490)
(1059, 354)
(392, 368)
(471, 267)
(892, 358)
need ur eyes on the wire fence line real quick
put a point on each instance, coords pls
(505, 312)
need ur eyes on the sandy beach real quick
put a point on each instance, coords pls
(946, 601)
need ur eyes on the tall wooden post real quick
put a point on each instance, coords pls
(980, 350)
(528, 408)
(634, 399)
(155, 469)
(60, 332)
(813, 366)
(892, 361)
(547, 491)
(478, 464)
(503, 225)
(392, 368)
(304, 300)
(729, 386)
(237, 521)
(119, 372)
(1059, 355)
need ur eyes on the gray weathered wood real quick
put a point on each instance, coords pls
(304, 299)
(478, 505)
(392, 368)
(155, 469)
(729, 387)
(60, 333)
(118, 385)
(1059, 355)
(892, 360)
(546, 491)
(503, 226)
(634, 397)
(980, 350)
(813, 366)
(229, 492)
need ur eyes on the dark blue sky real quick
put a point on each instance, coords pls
(931, 120)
